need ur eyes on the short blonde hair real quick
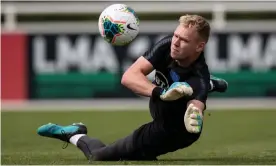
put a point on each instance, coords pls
(201, 24)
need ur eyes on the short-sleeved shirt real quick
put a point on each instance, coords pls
(167, 71)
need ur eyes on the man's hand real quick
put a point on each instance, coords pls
(193, 119)
(176, 91)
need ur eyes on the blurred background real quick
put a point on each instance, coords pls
(53, 61)
(52, 53)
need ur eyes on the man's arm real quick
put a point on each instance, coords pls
(193, 117)
(198, 104)
(135, 77)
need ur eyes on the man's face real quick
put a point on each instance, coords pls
(185, 43)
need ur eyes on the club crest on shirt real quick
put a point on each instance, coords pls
(160, 80)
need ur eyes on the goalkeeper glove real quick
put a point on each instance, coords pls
(174, 92)
(193, 119)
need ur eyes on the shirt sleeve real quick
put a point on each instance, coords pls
(158, 54)
(200, 85)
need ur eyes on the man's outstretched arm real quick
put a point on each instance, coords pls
(194, 114)
(135, 77)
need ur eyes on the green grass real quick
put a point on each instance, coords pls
(229, 137)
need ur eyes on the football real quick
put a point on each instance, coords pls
(118, 24)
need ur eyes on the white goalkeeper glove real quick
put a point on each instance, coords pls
(176, 91)
(193, 119)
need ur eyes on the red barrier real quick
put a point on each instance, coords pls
(14, 66)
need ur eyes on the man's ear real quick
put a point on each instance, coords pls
(200, 47)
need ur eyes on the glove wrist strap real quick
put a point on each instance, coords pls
(156, 92)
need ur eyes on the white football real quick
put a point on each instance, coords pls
(118, 24)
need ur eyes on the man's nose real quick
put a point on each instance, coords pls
(176, 42)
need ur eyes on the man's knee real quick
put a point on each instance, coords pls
(122, 149)
(187, 140)
(160, 142)
(103, 154)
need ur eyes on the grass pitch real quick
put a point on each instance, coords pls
(229, 137)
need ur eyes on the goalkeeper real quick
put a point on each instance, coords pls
(177, 99)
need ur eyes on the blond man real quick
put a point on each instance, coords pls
(177, 98)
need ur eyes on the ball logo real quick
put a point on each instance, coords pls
(161, 80)
(129, 27)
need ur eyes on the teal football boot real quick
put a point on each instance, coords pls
(63, 133)
(219, 84)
